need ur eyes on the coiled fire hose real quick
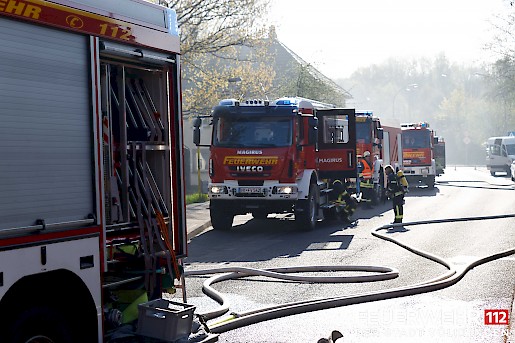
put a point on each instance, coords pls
(237, 320)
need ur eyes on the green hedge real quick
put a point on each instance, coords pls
(197, 197)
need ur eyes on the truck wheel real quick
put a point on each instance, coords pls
(306, 216)
(41, 324)
(430, 182)
(220, 219)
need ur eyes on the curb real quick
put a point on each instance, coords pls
(199, 229)
(509, 337)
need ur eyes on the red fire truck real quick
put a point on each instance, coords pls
(92, 214)
(278, 157)
(384, 144)
(418, 142)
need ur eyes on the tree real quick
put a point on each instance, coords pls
(502, 72)
(455, 100)
(212, 79)
(503, 43)
(212, 26)
(216, 37)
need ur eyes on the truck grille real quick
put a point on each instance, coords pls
(251, 182)
(253, 175)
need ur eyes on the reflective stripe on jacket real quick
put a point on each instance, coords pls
(394, 185)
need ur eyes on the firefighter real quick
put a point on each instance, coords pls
(365, 179)
(341, 197)
(396, 188)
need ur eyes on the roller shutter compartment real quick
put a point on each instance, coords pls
(46, 161)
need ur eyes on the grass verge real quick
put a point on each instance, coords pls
(196, 197)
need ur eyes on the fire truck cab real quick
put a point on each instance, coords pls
(384, 144)
(418, 142)
(277, 157)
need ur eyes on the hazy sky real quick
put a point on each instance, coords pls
(340, 36)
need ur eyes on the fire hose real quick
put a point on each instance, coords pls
(237, 320)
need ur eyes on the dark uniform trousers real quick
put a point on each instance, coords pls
(396, 193)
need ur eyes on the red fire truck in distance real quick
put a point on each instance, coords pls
(277, 157)
(418, 142)
(92, 210)
(383, 142)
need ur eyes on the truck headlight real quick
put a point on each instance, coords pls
(284, 190)
(218, 190)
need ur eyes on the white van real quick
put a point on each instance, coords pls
(500, 153)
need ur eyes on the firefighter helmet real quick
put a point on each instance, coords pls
(366, 154)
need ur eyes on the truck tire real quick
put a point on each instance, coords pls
(220, 219)
(41, 324)
(430, 182)
(306, 210)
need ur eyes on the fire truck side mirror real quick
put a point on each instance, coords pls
(313, 130)
(197, 122)
(380, 133)
(435, 140)
(313, 134)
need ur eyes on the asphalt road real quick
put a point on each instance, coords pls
(453, 314)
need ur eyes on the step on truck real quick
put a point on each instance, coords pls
(92, 214)
(383, 141)
(277, 157)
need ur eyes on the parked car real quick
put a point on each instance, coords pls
(500, 154)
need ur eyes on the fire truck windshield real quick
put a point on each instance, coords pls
(416, 139)
(252, 132)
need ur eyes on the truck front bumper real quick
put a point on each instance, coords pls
(268, 191)
(419, 171)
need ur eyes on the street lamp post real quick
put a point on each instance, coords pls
(407, 88)
(233, 81)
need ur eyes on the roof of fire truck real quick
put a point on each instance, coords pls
(365, 116)
(364, 113)
(411, 126)
(285, 106)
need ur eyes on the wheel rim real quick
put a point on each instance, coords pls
(311, 209)
(39, 339)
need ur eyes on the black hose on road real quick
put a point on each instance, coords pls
(237, 320)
